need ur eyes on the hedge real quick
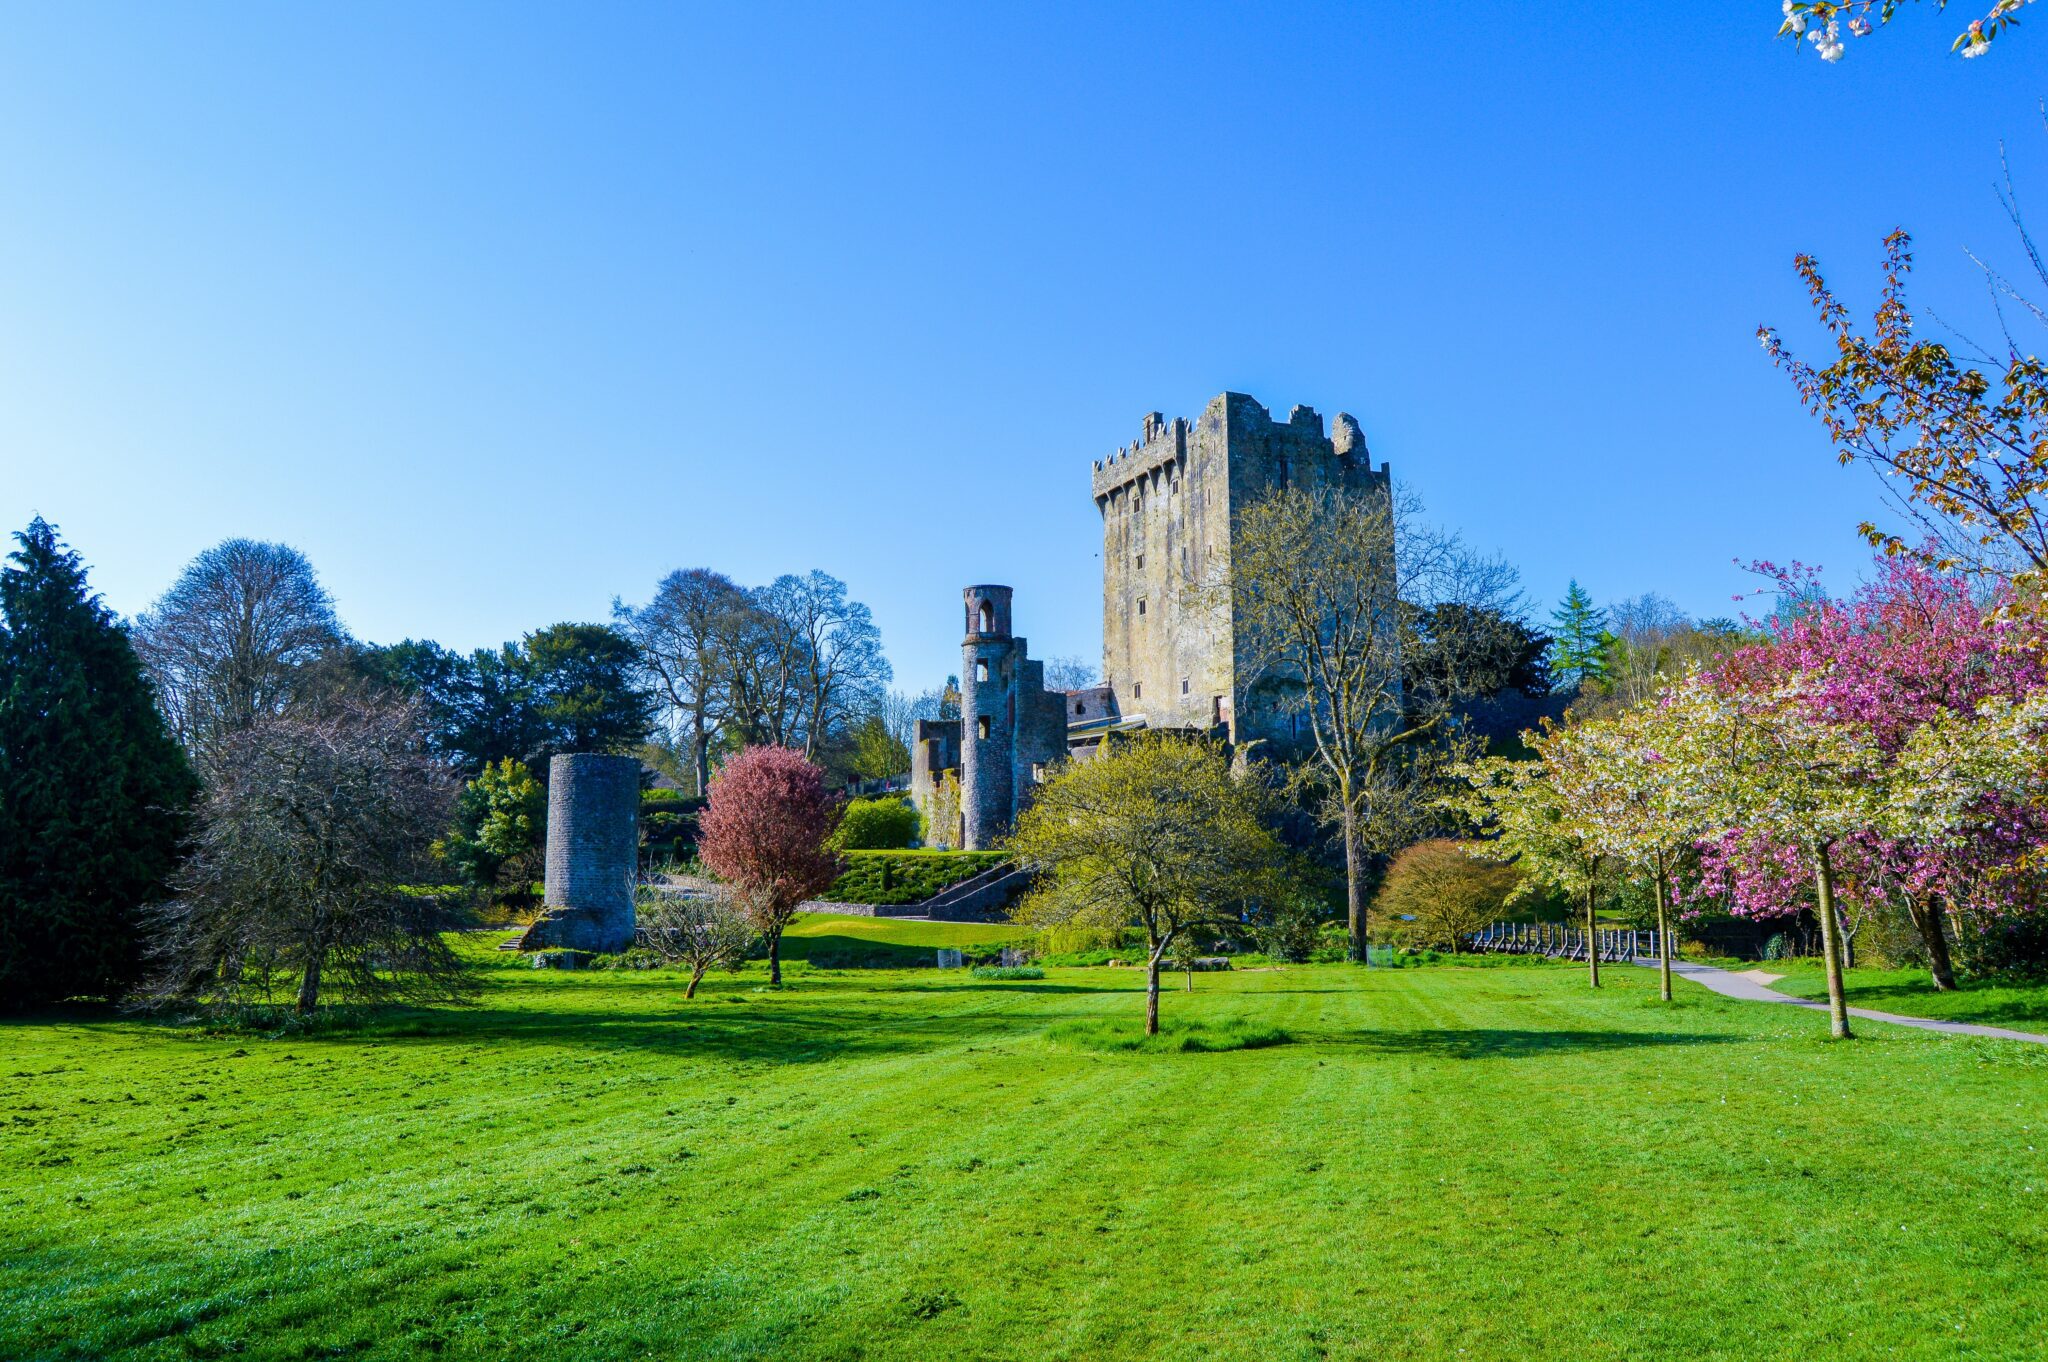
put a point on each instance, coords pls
(894, 877)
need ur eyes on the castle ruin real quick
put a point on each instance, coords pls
(1174, 656)
(1010, 729)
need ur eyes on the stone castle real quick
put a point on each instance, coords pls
(1173, 656)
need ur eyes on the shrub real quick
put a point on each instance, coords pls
(1008, 972)
(881, 824)
(1291, 931)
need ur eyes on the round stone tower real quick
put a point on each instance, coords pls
(593, 851)
(988, 718)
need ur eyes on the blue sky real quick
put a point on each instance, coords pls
(498, 311)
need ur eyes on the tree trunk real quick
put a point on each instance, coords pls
(1354, 882)
(1592, 942)
(696, 977)
(309, 987)
(1831, 944)
(1663, 940)
(700, 744)
(1927, 916)
(775, 958)
(1152, 995)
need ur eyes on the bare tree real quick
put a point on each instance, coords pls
(1372, 627)
(684, 635)
(901, 711)
(1645, 629)
(698, 931)
(1071, 673)
(239, 637)
(825, 657)
(310, 834)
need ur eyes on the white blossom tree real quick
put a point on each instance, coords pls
(1768, 772)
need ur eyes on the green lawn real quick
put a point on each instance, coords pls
(1909, 993)
(1442, 1163)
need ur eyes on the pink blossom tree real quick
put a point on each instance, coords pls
(764, 833)
(1912, 648)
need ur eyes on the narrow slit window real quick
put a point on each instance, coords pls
(981, 671)
(981, 727)
(1137, 690)
(1183, 685)
(1141, 605)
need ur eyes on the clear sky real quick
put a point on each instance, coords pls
(498, 311)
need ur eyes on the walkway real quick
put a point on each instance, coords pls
(1734, 985)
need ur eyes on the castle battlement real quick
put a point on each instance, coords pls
(1234, 417)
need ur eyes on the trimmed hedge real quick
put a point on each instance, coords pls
(895, 877)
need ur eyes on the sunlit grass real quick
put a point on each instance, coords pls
(918, 1164)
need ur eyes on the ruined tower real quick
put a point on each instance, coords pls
(593, 852)
(1171, 650)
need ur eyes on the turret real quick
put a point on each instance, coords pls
(988, 717)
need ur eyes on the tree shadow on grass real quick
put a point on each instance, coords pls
(1501, 1043)
(2023, 1014)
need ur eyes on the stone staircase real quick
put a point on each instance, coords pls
(980, 898)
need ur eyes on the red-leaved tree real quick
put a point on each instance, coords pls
(764, 834)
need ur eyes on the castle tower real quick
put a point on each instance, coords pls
(1171, 650)
(988, 718)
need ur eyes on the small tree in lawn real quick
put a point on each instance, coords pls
(765, 833)
(1527, 809)
(1159, 833)
(700, 932)
(1631, 803)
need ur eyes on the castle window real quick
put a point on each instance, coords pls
(987, 620)
(1141, 560)
(1079, 707)
(1141, 605)
(1038, 773)
(981, 671)
(981, 727)
(1137, 690)
(1183, 685)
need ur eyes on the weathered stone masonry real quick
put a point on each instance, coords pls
(1172, 654)
(593, 852)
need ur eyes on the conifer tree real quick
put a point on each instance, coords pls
(1578, 643)
(94, 792)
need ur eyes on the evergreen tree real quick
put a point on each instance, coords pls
(1578, 642)
(94, 791)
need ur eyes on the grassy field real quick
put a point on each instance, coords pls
(1435, 1163)
(1908, 993)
